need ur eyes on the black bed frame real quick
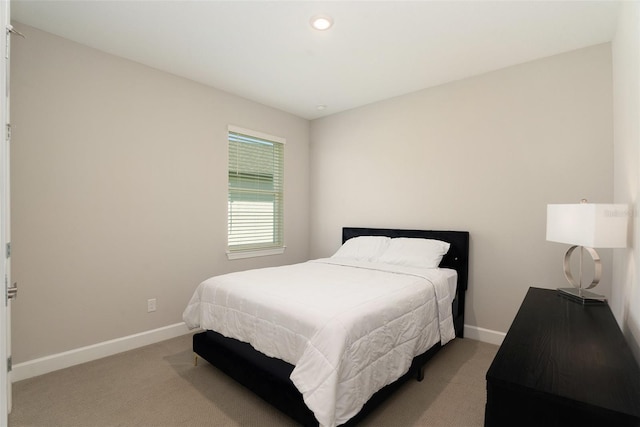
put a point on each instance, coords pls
(269, 378)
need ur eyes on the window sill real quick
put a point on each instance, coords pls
(255, 253)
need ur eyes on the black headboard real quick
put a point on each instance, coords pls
(457, 258)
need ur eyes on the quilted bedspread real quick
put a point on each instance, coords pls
(349, 328)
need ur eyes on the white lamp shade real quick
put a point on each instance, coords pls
(591, 225)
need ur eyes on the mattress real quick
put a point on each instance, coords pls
(348, 327)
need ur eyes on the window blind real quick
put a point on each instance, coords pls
(255, 205)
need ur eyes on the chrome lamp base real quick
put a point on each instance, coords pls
(582, 296)
(578, 292)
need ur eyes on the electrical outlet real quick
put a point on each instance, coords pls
(151, 305)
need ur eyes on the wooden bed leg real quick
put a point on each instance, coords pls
(420, 375)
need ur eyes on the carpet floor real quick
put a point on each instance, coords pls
(159, 386)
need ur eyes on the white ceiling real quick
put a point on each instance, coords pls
(266, 50)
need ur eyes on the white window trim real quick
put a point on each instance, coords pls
(253, 253)
(256, 134)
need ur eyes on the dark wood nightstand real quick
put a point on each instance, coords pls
(563, 364)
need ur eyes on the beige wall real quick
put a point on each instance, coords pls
(625, 300)
(119, 192)
(484, 154)
(119, 182)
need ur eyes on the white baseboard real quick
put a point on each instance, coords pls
(43, 365)
(484, 335)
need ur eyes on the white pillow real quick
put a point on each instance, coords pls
(363, 248)
(423, 253)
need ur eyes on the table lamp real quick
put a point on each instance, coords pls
(586, 226)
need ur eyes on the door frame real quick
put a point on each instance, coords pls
(5, 382)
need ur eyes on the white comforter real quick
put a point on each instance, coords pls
(350, 328)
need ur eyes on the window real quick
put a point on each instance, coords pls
(255, 205)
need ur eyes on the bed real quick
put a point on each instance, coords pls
(379, 342)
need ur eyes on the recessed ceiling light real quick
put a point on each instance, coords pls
(321, 22)
(321, 107)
